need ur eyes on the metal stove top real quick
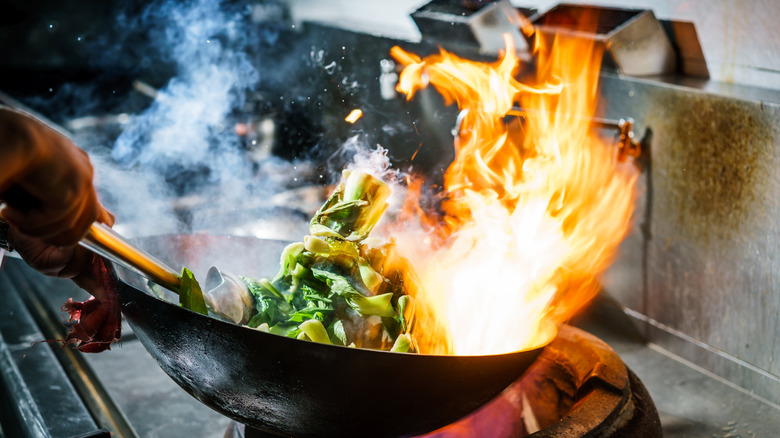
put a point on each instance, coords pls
(65, 393)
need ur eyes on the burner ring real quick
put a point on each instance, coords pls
(577, 387)
(596, 394)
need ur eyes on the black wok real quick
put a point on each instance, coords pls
(297, 388)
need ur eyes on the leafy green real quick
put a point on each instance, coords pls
(353, 209)
(190, 293)
(289, 259)
(337, 284)
(337, 333)
(332, 288)
(405, 312)
(315, 331)
(271, 306)
(378, 305)
(403, 344)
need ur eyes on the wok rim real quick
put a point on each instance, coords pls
(550, 328)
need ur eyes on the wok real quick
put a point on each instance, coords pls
(291, 387)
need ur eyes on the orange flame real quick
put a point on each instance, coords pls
(533, 210)
(354, 115)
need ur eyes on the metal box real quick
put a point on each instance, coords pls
(634, 41)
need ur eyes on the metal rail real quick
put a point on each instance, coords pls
(96, 398)
(24, 410)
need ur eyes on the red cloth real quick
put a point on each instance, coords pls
(98, 320)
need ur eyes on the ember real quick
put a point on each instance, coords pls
(354, 115)
(533, 210)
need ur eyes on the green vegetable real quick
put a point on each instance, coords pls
(337, 332)
(403, 344)
(190, 293)
(353, 209)
(270, 305)
(315, 331)
(370, 277)
(331, 287)
(406, 312)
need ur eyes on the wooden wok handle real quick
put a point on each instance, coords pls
(104, 241)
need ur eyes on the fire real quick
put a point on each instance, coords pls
(354, 115)
(533, 209)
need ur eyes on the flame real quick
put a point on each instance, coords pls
(533, 209)
(354, 115)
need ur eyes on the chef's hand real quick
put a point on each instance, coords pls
(72, 261)
(50, 202)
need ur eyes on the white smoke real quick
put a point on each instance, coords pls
(182, 154)
(184, 143)
(376, 162)
(185, 124)
(138, 199)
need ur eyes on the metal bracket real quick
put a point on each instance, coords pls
(628, 146)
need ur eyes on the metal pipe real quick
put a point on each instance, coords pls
(96, 398)
(627, 145)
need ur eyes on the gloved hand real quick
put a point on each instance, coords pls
(50, 201)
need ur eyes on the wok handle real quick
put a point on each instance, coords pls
(104, 241)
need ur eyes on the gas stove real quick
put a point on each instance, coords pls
(688, 308)
(578, 384)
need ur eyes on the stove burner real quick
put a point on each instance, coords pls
(577, 387)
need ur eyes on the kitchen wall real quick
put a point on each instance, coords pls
(740, 38)
(700, 272)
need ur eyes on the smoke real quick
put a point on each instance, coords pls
(376, 163)
(184, 127)
(139, 200)
(184, 146)
(177, 164)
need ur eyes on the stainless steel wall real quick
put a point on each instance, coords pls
(701, 272)
(740, 38)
